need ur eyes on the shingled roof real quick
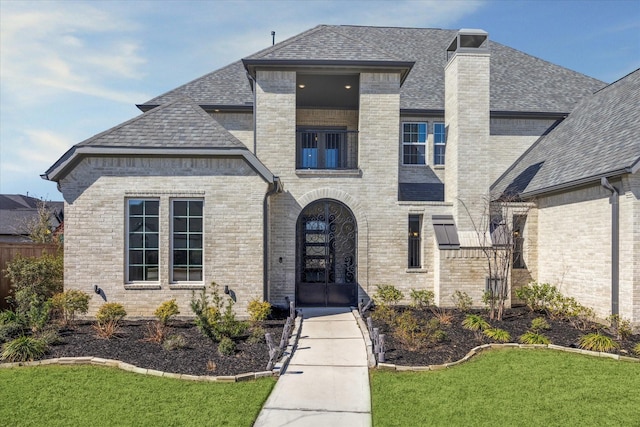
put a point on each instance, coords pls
(178, 127)
(519, 82)
(600, 138)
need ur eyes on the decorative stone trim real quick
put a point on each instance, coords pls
(481, 348)
(98, 361)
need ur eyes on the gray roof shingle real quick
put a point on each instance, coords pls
(421, 192)
(519, 82)
(600, 138)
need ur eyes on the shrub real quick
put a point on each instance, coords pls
(69, 303)
(7, 317)
(538, 297)
(636, 349)
(9, 331)
(421, 298)
(534, 338)
(387, 295)
(24, 348)
(259, 310)
(597, 342)
(257, 334)
(108, 318)
(475, 322)
(498, 334)
(620, 327)
(226, 347)
(34, 280)
(218, 320)
(570, 309)
(50, 336)
(174, 342)
(442, 314)
(462, 301)
(384, 313)
(539, 324)
(166, 311)
(155, 332)
(416, 335)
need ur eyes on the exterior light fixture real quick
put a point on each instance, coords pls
(301, 86)
(347, 86)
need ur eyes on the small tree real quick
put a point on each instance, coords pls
(39, 228)
(499, 242)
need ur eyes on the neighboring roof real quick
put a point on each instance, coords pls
(423, 192)
(600, 138)
(17, 211)
(180, 128)
(519, 82)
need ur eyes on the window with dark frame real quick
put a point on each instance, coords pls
(142, 240)
(187, 241)
(415, 241)
(414, 143)
(518, 241)
(439, 143)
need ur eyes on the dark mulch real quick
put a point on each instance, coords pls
(131, 346)
(460, 341)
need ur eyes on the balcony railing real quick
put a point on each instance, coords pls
(326, 149)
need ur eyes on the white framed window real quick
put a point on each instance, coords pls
(414, 143)
(187, 240)
(143, 232)
(439, 143)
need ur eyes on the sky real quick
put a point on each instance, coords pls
(72, 69)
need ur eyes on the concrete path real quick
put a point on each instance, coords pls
(327, 380)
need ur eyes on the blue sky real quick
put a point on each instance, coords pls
(71, 69)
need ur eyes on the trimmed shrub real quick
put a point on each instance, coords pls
(108, 318)
(387, 295)
(226, 347)
(24, 348)
(167, 311)
(597, 342)
(218, 320)
(259, 310)
(70, 302)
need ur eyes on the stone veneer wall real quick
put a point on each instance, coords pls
(574, 246)
(95, 207)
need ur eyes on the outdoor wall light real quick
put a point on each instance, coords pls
(301, 86)
(97, 289)
(226, 290)
(347, 86)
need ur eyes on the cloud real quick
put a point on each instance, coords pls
(47, 49)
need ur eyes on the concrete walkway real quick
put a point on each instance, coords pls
(327, 380)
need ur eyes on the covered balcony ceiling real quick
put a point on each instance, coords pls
(335, 91)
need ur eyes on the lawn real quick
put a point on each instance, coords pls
(98, 396)
(512, 387)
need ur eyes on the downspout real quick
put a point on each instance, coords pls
(615, 244)
(275, 188)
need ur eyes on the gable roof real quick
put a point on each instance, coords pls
(179, 127)
(600, 138)
(18, 211)
(519, 82)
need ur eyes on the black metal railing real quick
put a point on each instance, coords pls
(326, 149)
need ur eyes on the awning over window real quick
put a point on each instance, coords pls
(446, 232)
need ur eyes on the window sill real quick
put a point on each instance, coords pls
(187, 286)
(142, 286)
(329, 173)
(417, 270)
(438, 167)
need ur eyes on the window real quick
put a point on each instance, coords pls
(439, 142)
(414, 143)
(326, 149)
(186, 240)
(142, 240)
(519, 222)
(415, 241)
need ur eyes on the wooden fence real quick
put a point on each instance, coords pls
(8, 251)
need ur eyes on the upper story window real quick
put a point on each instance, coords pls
(142, 240)
(439, 143)
(186, 240)
(414, 143)
(326, 149)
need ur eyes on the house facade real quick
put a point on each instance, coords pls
(314, 170)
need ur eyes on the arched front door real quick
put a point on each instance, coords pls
(326, 255)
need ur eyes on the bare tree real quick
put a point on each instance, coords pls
(499, 231)
(39, 227)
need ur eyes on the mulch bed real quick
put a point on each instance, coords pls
(199, 357)
(459, 341)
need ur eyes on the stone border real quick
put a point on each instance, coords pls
(98, 361)
(484, 347)
(371, 359)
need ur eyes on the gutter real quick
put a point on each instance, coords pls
(276, 187)
(615, 245)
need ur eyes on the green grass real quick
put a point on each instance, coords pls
(98, 396)
(511, 387)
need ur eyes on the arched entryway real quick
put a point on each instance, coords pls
(326, 254)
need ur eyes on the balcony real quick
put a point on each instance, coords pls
(326, 149)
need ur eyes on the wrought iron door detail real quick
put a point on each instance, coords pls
(326, 254)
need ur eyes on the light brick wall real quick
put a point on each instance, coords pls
(574, 247)
(239, 125)
(95, 207)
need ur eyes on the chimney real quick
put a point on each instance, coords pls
(467, 159)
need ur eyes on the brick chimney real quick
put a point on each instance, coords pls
(467, 124)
